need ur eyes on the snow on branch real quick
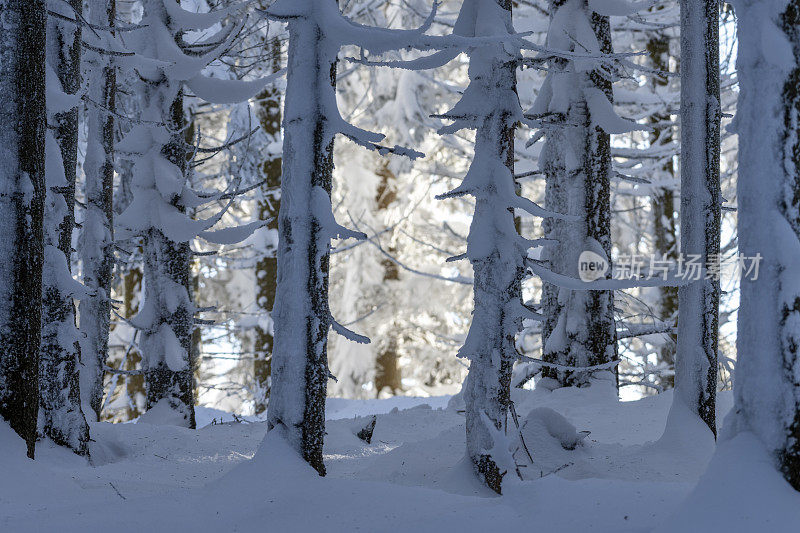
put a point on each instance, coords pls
(217, 91)
(594, 368)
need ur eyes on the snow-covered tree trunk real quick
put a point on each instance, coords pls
(698, 302)
(61, 416)
(579, 328)
(157, 213)
(167, 344)
(306, 225)
(160, 212)
(663, 204)
(23, 122)
(301, 313)
(268, 111)
(767, 386)
(97, 237)
(167, 341)
(494, 247)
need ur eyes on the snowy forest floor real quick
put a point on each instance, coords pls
(412, 477)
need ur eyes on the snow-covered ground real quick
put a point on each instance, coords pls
(412, 477)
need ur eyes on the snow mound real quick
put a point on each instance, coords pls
(741, 492)
(161, 414)
(555, 425)
(684, 430)
(550, 439)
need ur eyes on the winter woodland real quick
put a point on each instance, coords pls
(400, 265)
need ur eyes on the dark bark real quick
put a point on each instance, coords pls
(487, 387)
(789, 455)
(498, 269)
(98, 254)
(197, 336)
(23, 121)
(594, 342)
(317, 345)
(169, 261)
(66, 124)
(166, 260)
(60, 399)
(600, 306)
(134, 384)
(701, 201)
(302, 313)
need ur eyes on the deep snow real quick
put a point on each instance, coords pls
(412, 477)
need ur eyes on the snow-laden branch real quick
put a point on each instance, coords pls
(593, 368)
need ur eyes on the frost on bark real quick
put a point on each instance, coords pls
(157, 214)
(23, 121)
(698, 302)
(495, 249)
(167, 341)
(767, 387)
(59, 402)
(302, 314)
(268, 111)
(160, 212)
(663, 205)
(579, 328)
(97, 238)
(306, 224)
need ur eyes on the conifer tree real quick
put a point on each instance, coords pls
(60, 401)
(97, 238)
(579, 328)
(306, 225)
(23, 123)
(701, 204)
(767, 387)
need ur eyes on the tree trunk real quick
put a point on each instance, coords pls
(168, 285)
(97, 237)
(166, 316)
(387, 365)
(698, 302)
(23, 121)
(134, 384)
(494, 247)
(302, 314)
(767, 387)
(663, 209)
(189, 136)
(59, 400)
(129, 282)
(268, 111)
(166, 267)
(579, 328)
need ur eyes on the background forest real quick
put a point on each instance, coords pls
(396, 288)
(561, 235)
